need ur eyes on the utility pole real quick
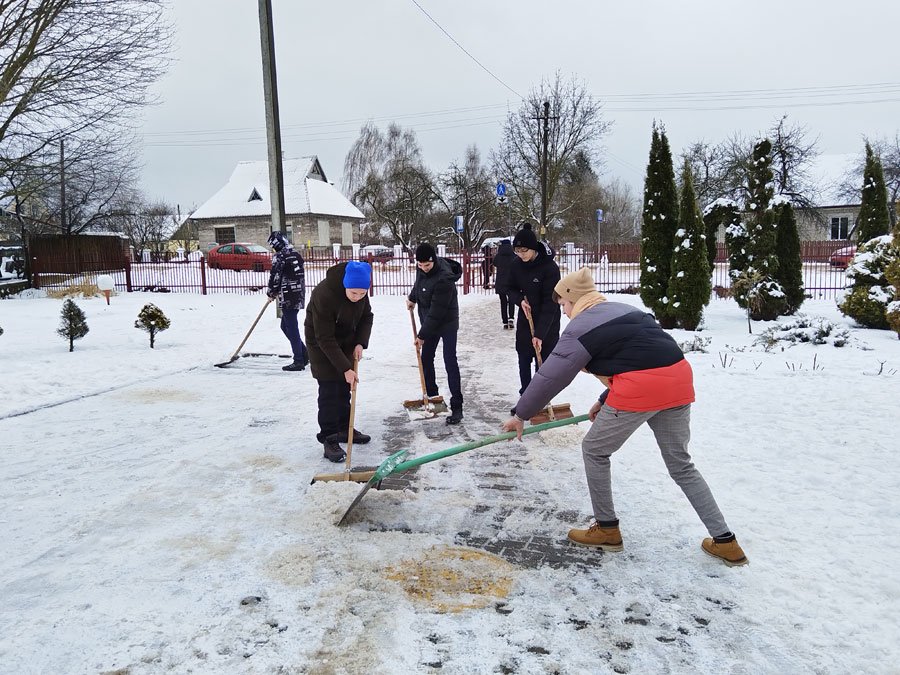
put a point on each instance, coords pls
(62, 187)
(544, 137)
(273, 122)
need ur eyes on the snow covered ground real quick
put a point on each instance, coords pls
(156, 513)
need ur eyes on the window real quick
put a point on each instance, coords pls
(840, 228)
(225, 235)
(254, 196)
(225, 249)
(241, 250)
(324, 233)
(346, 234)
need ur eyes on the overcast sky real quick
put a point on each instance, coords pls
(830, 65)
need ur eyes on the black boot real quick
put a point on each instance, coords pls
(359, 438)
(296, 365)
(455, 416)
(333, 452)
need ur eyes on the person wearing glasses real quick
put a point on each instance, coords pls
(532, 277)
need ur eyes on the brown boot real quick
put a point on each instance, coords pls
(726, 549)
(605, 538)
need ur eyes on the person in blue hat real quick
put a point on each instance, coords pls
(338, 325)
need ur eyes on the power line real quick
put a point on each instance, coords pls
(464, 50)
(619, 103)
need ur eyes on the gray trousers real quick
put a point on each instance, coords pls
(672, 429)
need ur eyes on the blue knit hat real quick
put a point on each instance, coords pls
(357, 275)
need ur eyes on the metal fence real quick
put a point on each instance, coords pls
(616, 269)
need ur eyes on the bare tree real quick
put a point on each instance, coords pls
(707, 162)
(576, 125)
(792, 155)
(467, 190)
(97, 171)
(147, 225)
(71, 65)
(722, 171)
(387, 180)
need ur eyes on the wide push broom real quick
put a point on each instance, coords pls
(348, 474)
(552, 412)
(234, 357)
(398, 462)
(424, 408)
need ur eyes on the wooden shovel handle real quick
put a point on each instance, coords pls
(352, 418)
(537, 353)
(412, 318)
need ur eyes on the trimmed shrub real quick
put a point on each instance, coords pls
(152, 320)
(73, 324)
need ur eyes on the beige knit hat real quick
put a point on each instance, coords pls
(572, 286)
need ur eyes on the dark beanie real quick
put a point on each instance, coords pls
(357, 275)
(425, 253)
(526, 238)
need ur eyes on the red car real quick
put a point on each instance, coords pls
(842, 257)
(239, 256)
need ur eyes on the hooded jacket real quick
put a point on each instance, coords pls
(503, 261)
(334, 326)
(645, 367)
(535, 281)
(435, 296)
(287, 278)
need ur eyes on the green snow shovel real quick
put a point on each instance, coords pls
(396, 464)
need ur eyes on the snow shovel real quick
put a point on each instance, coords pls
(424, 408)
(348, 475)
(551, 412)
(396, 464)
(234, 357)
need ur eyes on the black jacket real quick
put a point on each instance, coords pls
(503, 261)
(334, 326)
(535, 281)
(288, 279)
(435, 296)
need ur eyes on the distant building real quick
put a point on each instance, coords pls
(835, 216)
(316, 213)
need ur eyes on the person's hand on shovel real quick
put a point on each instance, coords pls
(525, 306)
(514, 424)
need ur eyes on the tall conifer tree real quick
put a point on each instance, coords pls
(660, 220)
(790, 264)
(874, 218)
(764, 297)
(689, 285)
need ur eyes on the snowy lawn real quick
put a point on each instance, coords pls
(156, 513)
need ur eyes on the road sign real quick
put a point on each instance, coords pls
(502, 200)
(459, 223)
(501, 189)
(599, 215)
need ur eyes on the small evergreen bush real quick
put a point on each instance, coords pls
(73, 324)
(804, 329)
(870, 292)
(152, 320)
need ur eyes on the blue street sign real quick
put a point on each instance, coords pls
(459, 223)
(501, 190)
(599, 215)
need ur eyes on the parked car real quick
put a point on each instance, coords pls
(842, 257)
(379, 253)
(239, 256)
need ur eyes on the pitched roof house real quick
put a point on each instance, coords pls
(316, 213)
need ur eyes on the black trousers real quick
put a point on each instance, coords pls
(507, 308)
(429, 349)
(334, 408)
(525, 350)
